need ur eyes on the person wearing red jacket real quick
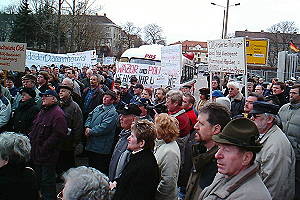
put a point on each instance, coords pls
(174, 105)
(188, 105)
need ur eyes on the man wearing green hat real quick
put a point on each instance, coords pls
(277, 157)
(237, 176)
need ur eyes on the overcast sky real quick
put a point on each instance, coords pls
(198, 19)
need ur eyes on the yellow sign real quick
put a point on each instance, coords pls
(257, 51)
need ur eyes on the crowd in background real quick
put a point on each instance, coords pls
(145, 143)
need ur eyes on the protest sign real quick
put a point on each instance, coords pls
(108, 61)
(227, 55)
(12, 56)
(171, 62)
(148, 75)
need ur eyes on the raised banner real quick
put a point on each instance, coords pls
(227, 55)
(77, 59)
(148, 75)
(12, 56)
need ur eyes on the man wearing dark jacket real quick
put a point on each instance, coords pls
(92, 96)
(236, 98)
(212, 118)
(48, 132)
(25, 112)
(74, 119)
(120, 156)
(278, 90)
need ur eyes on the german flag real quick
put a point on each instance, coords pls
(293, 47)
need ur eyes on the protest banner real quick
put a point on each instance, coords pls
(171, 62)
(227, 55)
(148, 75)
(77, 59)
(12, 56)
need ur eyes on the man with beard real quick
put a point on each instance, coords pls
(212, 118)
(237, 176)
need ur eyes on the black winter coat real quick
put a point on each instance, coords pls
(24, 116)
(17, 182)
(139, 179)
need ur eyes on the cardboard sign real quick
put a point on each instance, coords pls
(227, 55)
(12, 56)
(171, 61)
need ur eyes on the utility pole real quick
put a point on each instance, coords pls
(226, 20)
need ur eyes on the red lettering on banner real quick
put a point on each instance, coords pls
(150, 56)
(154, 70)
(127, 68)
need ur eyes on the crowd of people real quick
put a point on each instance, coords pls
(146, 143)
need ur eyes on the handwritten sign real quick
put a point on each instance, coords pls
(227, 55)
(171, 61)
(12, 56)
(148, 75)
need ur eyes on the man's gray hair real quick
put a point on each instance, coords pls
(86, 183)
(234, 84)
(175, 96)
(14, 148)
(68, 82)
(276, 119)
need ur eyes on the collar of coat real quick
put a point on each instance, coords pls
(268, 133)
(294, 106)
(237, 97)
(233, 183)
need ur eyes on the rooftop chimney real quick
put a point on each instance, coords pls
(262, 31)
(104, 14)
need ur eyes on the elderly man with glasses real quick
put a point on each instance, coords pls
(236, 98)
(277, 157)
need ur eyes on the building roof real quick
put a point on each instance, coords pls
(101, 19)
(192, 43)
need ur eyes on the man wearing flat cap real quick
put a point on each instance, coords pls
(137, 91)
(100, 129)
(237, 176)
(28, 81)
(25, 113)
(277, 157)
(48, 132)
(74, 120)
(120, 155)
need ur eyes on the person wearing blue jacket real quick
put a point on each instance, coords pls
(100, 129)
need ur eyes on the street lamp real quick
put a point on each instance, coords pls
(225, 16)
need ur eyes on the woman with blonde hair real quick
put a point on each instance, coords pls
(167, 154)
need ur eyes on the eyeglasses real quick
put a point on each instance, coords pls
(47, 95)
(60, 195)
